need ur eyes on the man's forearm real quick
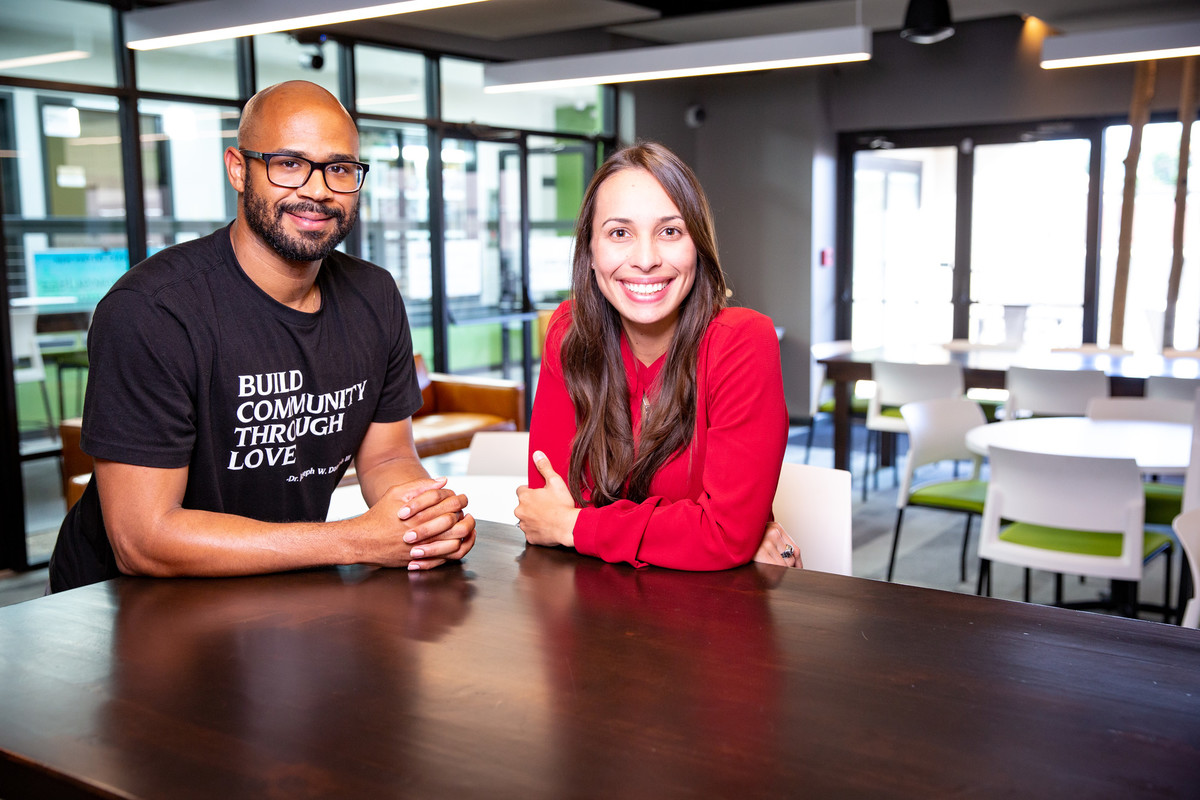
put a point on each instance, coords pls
(386, 474)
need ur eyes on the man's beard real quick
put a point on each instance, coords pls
(267, 222)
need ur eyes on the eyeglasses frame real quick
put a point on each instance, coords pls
(312, 166)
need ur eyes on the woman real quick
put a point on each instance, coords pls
(662, 408)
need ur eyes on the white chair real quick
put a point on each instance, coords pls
(813, 506)
(1149, 409)
(1068, 514)
(28, 366)
(1191, 479)
(937, 431)
(499, 453)
(899, 383)
(1187, 531)
(1167, 386)
(1052, 392)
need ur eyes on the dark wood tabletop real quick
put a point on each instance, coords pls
(539, 673)
(985, 368)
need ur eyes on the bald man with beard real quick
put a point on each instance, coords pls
(234, 379)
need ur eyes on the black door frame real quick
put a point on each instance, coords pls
(965, 139)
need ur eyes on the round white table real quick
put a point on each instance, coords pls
(491, 497)
(1158, 447)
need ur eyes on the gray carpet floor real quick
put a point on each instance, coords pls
(928, 556)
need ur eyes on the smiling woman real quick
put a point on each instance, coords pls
(661, 409)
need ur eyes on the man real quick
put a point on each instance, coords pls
(233, 379)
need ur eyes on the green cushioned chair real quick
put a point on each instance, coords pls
(858, 411)
(937, 431)
(1070, 514)
(1164, 502)
(899, 383)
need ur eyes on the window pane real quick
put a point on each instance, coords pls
(281, 57)
(65, 244)
(1028, 239)
(390, 82)
(58, 40)
(208, 69)
(187, 193)
(1152, 249)
(559, 170)
(904, 205)
(394, 219)
(578, 109)
(481, 186)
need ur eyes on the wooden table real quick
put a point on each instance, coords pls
(538, 673)
(985, 368)
(1163, 448)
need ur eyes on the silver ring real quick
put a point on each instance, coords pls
(788, 552)
(518, 523)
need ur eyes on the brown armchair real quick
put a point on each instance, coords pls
(76, 464)
(457, 407)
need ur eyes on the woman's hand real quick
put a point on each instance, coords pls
(778, 548)
(547, 516)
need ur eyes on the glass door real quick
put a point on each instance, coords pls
(977, 235)
(904, 238)
(1029, 242)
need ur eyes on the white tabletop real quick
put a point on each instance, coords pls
(491, 497)
(1159, 447)
(28, 302)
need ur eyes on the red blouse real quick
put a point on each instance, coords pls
(708, 507)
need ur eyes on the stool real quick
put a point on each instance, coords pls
(78, 363)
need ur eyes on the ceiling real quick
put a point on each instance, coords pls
(582, 25)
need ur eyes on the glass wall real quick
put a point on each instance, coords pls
(1029, 242)
(559, 170)
(1151, 241)
(580, 109)
(206, 70)
(187, 193)
(394, 218)
(57, 40)
(486, 300)
(389, 82)
(505, 200)
(65, 243)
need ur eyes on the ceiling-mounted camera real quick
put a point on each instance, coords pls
(314, 60)
(314, 56)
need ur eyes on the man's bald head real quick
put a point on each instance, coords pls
(270, 108)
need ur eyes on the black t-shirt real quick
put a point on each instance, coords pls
(192, 365)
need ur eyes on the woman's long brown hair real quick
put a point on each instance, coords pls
(604, 448)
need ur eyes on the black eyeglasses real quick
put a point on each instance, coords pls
(292, 172)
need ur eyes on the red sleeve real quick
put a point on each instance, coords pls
(742, 406)
(552, 427)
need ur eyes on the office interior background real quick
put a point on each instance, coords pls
(930, 193)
